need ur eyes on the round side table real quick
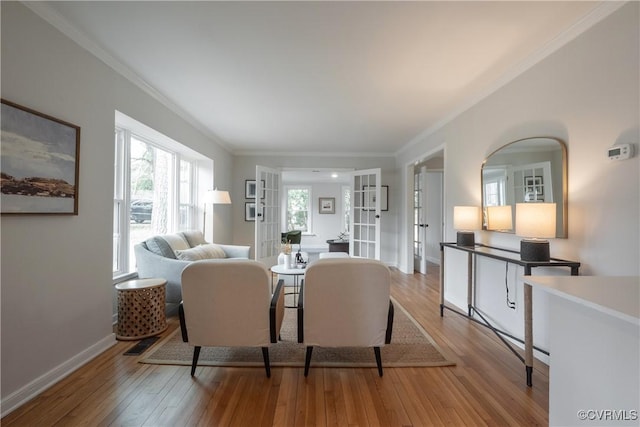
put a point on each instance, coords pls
(141, 308)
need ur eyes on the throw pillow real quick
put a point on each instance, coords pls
(206, 251)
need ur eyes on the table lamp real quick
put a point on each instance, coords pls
(499, 218)
(465, 220)
(535, 222)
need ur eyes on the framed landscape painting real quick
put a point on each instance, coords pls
(40, 156)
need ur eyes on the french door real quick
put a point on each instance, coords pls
(419, 221)
(267, 226)
(364, 236)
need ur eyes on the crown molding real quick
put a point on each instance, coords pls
(600, 12)
(312, 154)
(46, 12)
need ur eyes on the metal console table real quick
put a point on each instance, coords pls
(513, 257)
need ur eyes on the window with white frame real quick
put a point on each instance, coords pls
(346, 208)
(155, 183)
(298, 208)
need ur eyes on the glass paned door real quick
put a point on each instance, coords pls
(267, 227)
(364, 237)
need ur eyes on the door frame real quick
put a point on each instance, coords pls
(406, 236)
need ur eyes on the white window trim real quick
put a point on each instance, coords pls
(202, 166)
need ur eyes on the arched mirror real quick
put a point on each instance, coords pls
(526, 171)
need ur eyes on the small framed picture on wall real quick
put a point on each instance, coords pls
(327, 205)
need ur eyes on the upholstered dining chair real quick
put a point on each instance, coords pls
(345, 302)
(228, 303)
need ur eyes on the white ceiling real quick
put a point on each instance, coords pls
(320, 77)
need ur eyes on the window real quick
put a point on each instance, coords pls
(346, 208)
(155, 189)
(298, 208)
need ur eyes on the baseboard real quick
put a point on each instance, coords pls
(37, 386)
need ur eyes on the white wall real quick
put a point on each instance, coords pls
(244, 167)
(586, 94)
(56, 270)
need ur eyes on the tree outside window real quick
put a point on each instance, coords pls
(298, 209)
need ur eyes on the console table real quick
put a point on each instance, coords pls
(338, 245)
(512, 257)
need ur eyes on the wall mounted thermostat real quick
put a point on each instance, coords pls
(620, 152)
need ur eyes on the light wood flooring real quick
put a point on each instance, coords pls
(486, 387)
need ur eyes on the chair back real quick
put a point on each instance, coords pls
(226, 302)
(346, 302)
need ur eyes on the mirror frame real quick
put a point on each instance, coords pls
(563, 231)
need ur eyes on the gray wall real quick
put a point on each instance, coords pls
(56, 270)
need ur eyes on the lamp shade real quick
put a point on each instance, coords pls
(499, 218)
(218, 197)
(536, 220)
(466, 217)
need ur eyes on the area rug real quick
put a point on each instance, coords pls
(410, 346)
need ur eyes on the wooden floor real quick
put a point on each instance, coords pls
(486, 387)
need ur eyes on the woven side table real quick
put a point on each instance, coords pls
(141, 305)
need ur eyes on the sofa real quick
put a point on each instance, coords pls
(165, 256)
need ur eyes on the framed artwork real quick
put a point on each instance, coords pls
(40, 162)
(369, 197)
(250, 189)
(327, 205)
(250, 211)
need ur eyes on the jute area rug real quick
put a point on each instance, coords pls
(410, 346)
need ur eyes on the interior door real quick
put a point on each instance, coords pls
(364, 236)
(419, 221)
(433, 216)
(268, 212)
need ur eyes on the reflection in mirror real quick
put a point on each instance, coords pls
(526, 171)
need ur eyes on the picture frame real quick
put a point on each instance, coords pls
(40, 162)
(369, 197)
(250, 189)
(250, 211)
(534, 185)
(326, 205)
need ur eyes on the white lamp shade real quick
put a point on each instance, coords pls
(499, 218)
(466, 217)
(218, 197)
(536, 220)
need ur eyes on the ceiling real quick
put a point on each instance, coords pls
(319, 77)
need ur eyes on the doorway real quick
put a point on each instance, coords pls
(427, 207)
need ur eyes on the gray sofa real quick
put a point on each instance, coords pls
(165, 256)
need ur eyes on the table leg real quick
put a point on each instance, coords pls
(469, 282)
(528, 333)
(441, 281)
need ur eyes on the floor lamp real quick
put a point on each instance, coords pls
(214, 197)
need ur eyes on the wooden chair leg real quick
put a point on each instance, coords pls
(196, 354)
(376, 350)
(265, 356)
(307, 360)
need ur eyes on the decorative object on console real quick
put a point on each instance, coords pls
(499, 218)
(535, 222)
(214, 197)
(465, 220)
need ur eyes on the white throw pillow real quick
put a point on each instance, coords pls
(206, 251)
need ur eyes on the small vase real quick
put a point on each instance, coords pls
(281, 258)
(287, 261)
